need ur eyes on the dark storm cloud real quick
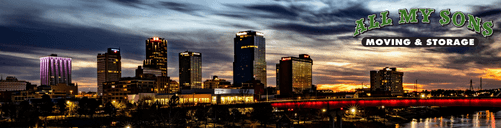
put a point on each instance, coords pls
(350, 14)
(486, 11)
(203, 41)
(276, 9)
(131, 3)
(314, 30)
(84, 72)
(22, 66)
(181, 7)
(346, 72)
(83, 39)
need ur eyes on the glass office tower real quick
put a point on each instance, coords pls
(249, 57)
(294, 74)
(190, 69)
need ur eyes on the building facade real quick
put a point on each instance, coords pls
(249, 57)
(108, 68)
(387, 80)
(216, 82)
(199, 96)
(12, 84)
(55, 70)
(294, 74)
(190, 69)
(156, 56)
(63, 90)
(118, 90)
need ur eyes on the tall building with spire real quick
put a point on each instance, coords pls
(156, 57)
(190, 69)
(249, 57)
(109, 68)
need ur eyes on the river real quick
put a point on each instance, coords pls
(480, 119)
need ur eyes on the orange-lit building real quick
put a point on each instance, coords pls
(294, 75)
(216, 82)
(387, 82)
(109, 68)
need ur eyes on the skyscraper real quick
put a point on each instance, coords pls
(249, 57)
(156, 57)
(294, 74)
(108, 68)
(387, 80)
(190, 69)
(55, 70)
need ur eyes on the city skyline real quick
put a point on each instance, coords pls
(323, 30)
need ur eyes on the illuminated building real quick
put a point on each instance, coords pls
(190, 69)
(63, 90)
(200, 96)
(256, 85)
(55, 70)
(387, 80)
(215, 82)
(118, 90)
(249, 57)
(294, 74)
(12, 84)
(166, 85)
(156, 57)
(109, 68)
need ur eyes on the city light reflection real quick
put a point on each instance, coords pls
(481, 119)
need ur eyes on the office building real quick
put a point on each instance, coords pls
(294, 75)
(388, 81)
(118, 90)
(156, 57)
(55, 70)
(199, 96)
(249, 57)
(108, 68)
(190, 69)
(12, 84)
(216, 82)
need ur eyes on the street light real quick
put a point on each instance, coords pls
(323, 110)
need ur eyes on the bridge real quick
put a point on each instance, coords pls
(389, 102)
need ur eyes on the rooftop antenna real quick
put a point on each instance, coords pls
(415, 86)
(480, 83)
(471, 84)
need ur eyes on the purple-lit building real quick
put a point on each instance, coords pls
(55, 70)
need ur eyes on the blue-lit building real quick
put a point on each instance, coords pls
(249, 57)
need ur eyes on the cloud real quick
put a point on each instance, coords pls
(315, 30)
(275, 9)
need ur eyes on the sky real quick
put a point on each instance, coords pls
(323, 29)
